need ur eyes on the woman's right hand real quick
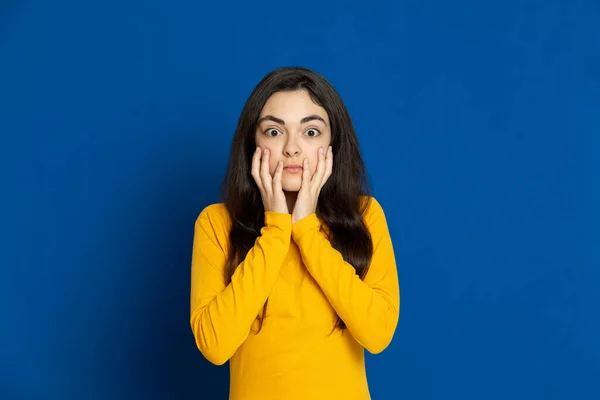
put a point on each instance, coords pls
(270, 187)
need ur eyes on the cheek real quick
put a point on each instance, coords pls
(273, 160)
(272, 165)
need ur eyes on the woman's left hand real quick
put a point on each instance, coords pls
(308, 196)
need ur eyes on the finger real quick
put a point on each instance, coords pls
(264, 172)
(329, 164)
(320, 172)
(256, 168)
(277, 177)
(305, 174)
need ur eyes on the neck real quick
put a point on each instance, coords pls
(290, 198)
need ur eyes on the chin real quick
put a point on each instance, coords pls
(291, 185)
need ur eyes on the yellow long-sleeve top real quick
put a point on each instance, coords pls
(295, 355)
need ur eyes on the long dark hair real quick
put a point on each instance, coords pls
(341, 202)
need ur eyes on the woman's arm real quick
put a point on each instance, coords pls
(369, 308)
(221, 315)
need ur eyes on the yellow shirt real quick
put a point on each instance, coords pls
(295, 355)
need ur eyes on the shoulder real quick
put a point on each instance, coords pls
(370, 205)
(216, 210)
(372, 210)
(214, 217)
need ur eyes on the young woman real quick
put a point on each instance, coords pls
(294, 274)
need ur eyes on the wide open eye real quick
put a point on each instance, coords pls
(272, 132)
(312, 132)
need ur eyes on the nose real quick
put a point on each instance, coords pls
(291, 147)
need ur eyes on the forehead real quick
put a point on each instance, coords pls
(292, 106)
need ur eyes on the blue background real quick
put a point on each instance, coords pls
(479, 123)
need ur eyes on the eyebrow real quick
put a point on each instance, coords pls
(282, 122)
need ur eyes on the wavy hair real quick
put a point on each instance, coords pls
(340, 204)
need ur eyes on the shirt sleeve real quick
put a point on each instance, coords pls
(369, 308)
(221, 315)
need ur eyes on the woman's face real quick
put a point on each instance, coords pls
(293, 128)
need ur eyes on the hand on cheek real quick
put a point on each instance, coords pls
(269, 184)
(312, 183)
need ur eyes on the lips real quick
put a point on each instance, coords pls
(293, 168)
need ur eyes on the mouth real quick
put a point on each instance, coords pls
(293, 169)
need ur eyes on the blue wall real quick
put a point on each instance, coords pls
(480, 127)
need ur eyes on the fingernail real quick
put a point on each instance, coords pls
(322, 150)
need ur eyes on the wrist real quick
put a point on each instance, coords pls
(276, 218)
(308, 225)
